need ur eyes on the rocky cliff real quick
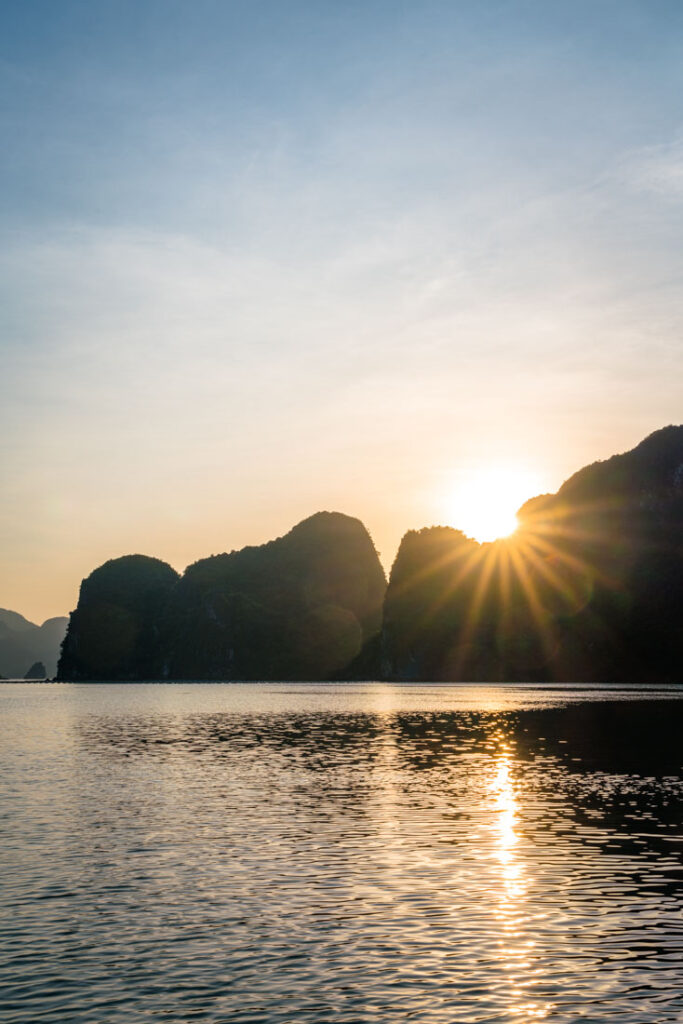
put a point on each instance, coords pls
(589, 588)
(113, 633)
(300, 607)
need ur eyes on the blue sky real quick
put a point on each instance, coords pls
(264, 258)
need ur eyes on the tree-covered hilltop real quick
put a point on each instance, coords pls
(589, 588)
(300, 607)
(113, 632)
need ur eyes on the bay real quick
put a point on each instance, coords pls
(340, 852)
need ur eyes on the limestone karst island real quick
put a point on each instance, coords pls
(589, 588)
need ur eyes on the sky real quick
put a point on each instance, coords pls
(260, 259)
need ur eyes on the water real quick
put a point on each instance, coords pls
(357, 853)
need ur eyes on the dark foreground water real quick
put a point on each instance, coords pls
(358, 853)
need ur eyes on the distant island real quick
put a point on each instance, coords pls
(24, 646)
(590, 588)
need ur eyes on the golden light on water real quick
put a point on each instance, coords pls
(485, 500)
(505, 807)
(516, 949)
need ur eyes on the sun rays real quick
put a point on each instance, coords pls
(504, 609)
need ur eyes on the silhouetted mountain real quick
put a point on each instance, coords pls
(114, 631)
(590, 588)
(425, 600)
(36, 671)
(16, 622)
(300, 607)
(23, 643)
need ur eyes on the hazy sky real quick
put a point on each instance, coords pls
(264, 258)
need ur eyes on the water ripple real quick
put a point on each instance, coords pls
(278, 854)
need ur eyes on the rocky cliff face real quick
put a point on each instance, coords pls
(300, 607)
(427, 604)
(590, 588)
(114, 631)
(613, 536)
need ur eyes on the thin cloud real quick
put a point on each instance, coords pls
(655, 169)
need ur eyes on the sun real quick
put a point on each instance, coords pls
(484, 502)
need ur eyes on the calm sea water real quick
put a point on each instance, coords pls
(347, 853)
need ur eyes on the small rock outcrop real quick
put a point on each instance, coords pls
(36, 671)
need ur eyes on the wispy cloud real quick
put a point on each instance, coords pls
(256, 265)
(655, 169)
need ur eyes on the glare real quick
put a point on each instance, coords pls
(505, 807)
(515, 949)
(485, 500)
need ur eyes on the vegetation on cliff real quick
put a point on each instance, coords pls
(300, 607)
(113, 632)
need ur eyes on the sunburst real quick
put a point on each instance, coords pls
(484, 501)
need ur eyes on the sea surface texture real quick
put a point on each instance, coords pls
(349, 853)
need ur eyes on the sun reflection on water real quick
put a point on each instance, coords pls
(516, 947)
(505, 804)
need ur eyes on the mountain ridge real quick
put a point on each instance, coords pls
(24, 643)
(590, 588)
(300, 606)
